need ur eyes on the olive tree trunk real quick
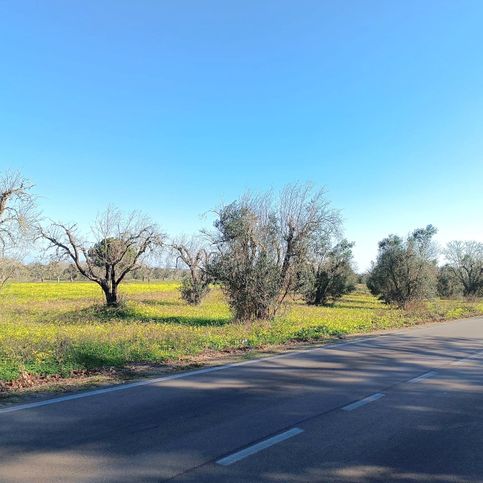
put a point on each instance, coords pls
(111, 294)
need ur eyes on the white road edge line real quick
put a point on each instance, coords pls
(363, 402)
(148, 382)
(244, 453)
(422, 377)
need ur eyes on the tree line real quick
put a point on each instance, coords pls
(52, 269)
(261, 250)
(407, 271)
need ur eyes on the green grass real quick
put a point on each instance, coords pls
(57, 328)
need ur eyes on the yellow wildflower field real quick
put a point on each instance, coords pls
(57, 328)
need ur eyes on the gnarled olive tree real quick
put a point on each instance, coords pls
(260, 244)
(119, 247)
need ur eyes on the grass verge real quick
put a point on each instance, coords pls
(52, 333)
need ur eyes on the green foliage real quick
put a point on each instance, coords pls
(329, 275)
(111, 251)
(405, 270)
(448, 284)
(194, 290)
(246, 262)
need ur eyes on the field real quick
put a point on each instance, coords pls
(61, 329)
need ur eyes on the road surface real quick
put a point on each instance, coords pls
(404, 406)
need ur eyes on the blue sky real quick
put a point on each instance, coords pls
(173, 107)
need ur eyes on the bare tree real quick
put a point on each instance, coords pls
(17, 208)
(119, 247)
(17, 216)
(195, 285)
(305, 220)
(9, 269)
(465, 260)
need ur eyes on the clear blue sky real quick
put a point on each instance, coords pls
(172, 107)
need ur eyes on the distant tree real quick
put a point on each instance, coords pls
(362, 278)
(465, 260)
(71, 273)
(405, 270)
(144, 273)
(260, 245)
(160, 273)
(122, 243)
(38, 271)
(55, 269)
(9, 270)
(448, 284)
(196, 283)
(328, 275)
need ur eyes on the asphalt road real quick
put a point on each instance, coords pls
(404, 406)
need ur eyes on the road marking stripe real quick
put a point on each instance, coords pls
(363, 402)
(244, 453)
(148, 382)
(422, 377)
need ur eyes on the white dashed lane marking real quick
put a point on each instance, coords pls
(422, 377)
(363, 402)
(244, 453)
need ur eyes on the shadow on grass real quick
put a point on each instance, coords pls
(349, 305)
(158, 303)
(101, 313)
